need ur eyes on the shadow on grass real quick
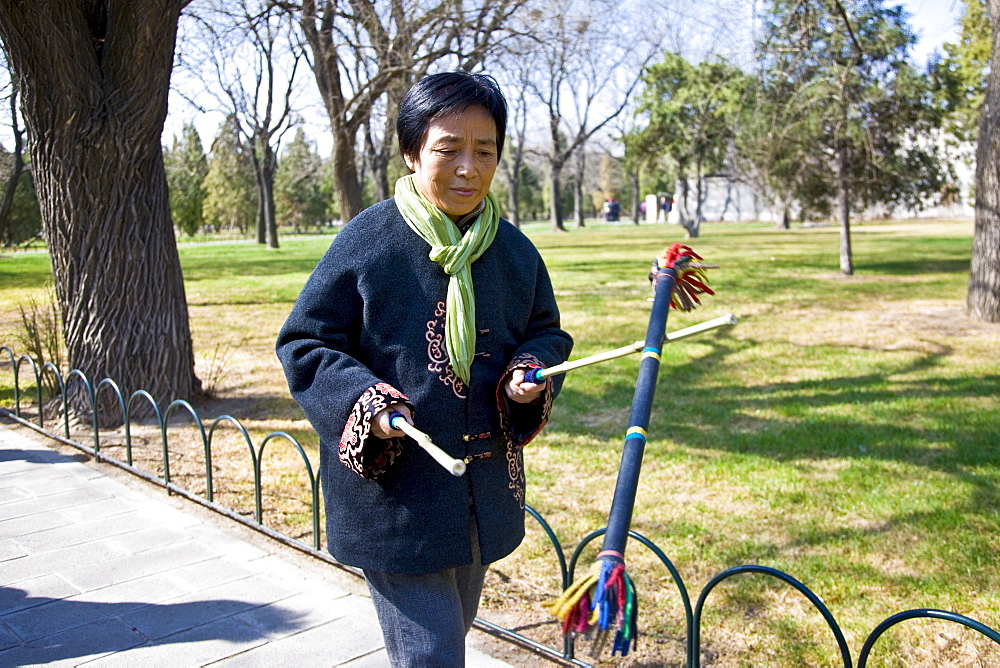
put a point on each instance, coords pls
(932, 422)
(919, 267)
(692, 410)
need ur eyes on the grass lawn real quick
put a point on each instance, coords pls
(845, 431)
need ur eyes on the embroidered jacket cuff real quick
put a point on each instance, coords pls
(360, 450)
(522, 422)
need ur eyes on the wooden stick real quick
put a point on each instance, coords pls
(539, 374)
(456, 467)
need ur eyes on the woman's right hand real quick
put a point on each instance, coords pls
(380, 423)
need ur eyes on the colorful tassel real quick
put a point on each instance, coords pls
(603, 600)
(691, 277)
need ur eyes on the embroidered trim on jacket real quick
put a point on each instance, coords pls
(437, 352)
(516, 439)
(372, 457)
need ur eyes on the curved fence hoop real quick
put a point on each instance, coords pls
(313, 486)
(38, 384)
(13, 368)
(563, 571)
(246, 439)
(91, 396)
(143, 394)
(180, 403)
(105, 382)
(695, 636)
(49, 366)
(922, 613)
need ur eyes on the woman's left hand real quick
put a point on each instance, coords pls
(520, 391)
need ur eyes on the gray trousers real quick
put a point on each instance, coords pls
(425, 618)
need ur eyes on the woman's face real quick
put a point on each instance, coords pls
(457, 161)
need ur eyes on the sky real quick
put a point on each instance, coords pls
(935, 22)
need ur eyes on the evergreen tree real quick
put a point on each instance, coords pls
(298, 185)
(836, 72)
(959, 75)
(187, 167)
(24, 219)
(530, 192)
(691, 110)
(230, 185)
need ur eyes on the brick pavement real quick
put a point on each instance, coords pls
(101, 569)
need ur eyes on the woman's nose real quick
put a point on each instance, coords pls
(463, 165)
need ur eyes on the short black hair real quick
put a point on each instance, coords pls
(445, 93)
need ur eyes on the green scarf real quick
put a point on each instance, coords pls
(455, 253)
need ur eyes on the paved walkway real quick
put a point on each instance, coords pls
(101, 569)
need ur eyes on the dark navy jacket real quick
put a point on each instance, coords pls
(367, 329)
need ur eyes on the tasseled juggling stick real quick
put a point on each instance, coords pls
(606, 597)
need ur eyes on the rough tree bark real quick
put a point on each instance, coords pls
(983, 297)
(93, 77)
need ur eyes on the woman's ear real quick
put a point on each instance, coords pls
(409, 163)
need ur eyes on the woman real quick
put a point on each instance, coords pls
(429, 305)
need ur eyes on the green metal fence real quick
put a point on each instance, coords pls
(128, 406)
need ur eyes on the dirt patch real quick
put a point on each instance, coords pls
(922, 326)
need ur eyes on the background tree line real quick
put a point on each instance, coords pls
(829, 115)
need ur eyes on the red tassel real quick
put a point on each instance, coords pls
(691, 277)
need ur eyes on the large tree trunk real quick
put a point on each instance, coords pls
(682, 202)
(688, 222)
(326, 68)
(785, 222)
(345, 172)
(983, 297)
(94, 77)
(694, 229)
(693, 225)
(378, 159)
